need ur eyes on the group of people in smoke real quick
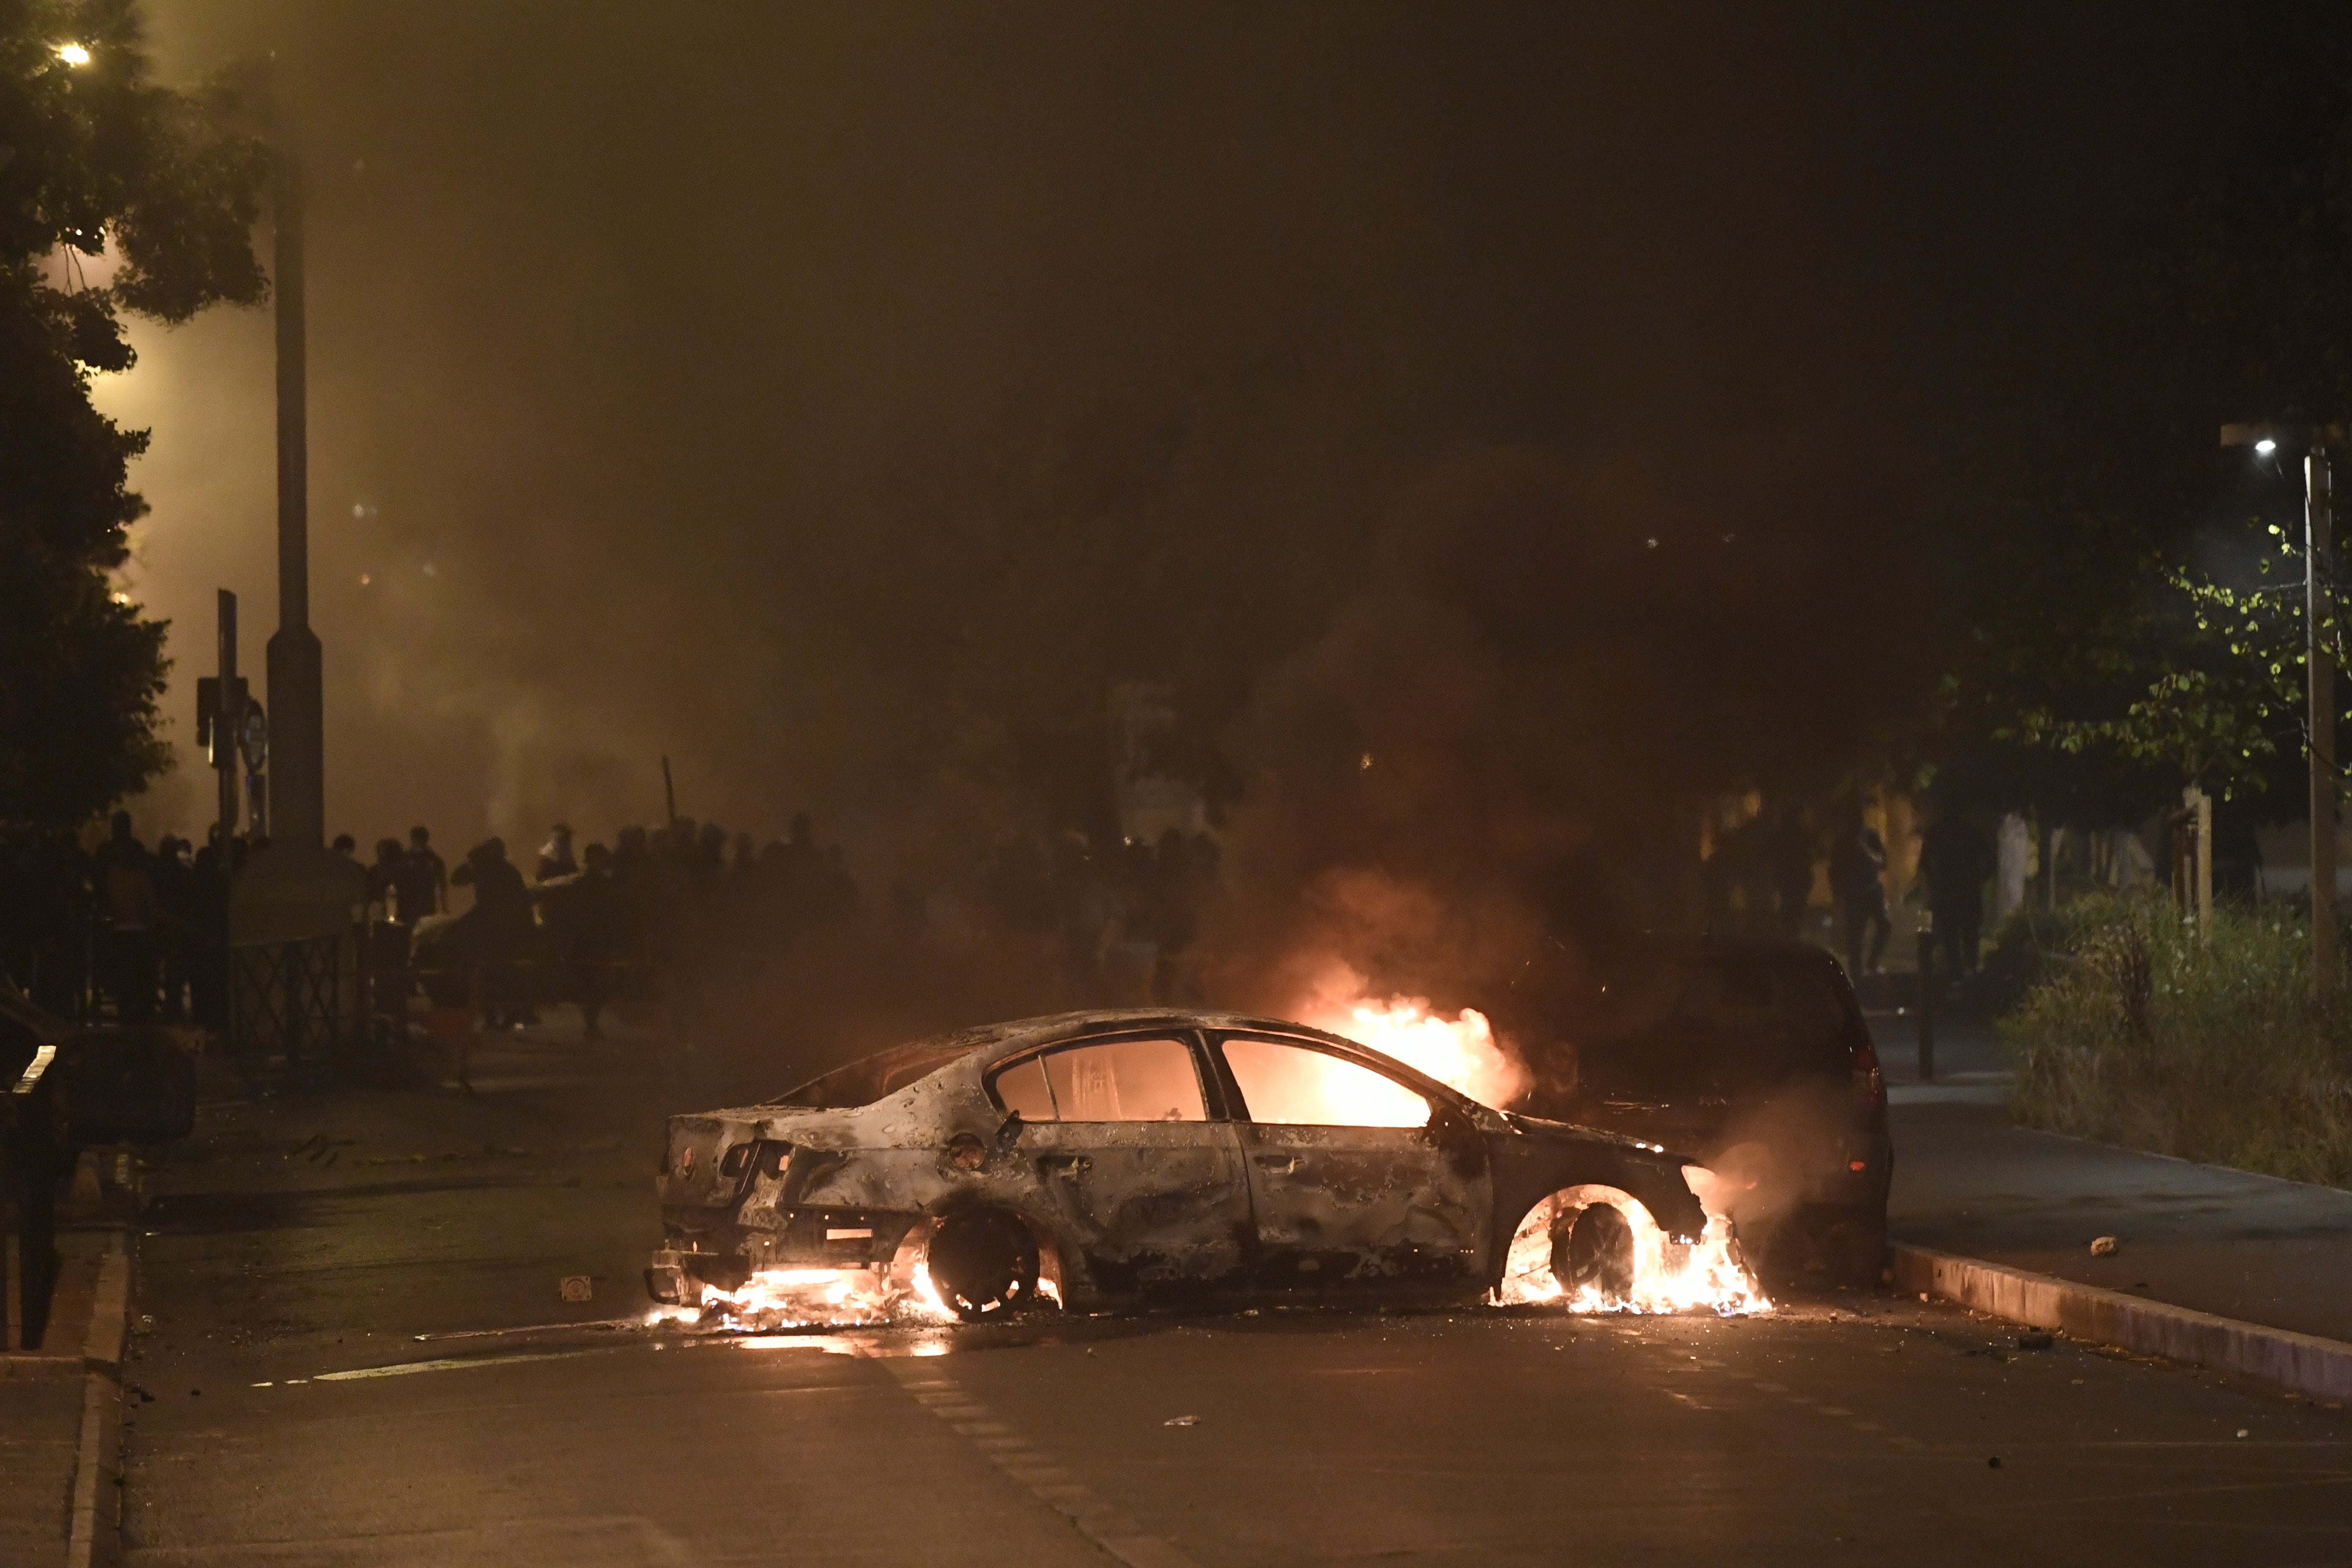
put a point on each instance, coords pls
(647, 918)
(140, 931)
(686, 916)
(1761, 877)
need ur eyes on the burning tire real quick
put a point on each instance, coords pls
(983, 1263)
(1594, 1247)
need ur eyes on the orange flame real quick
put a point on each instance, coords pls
(1460, 1052)
(1668, 1276)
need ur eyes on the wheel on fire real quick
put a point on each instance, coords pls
(983, 1263)
(1594, 1246)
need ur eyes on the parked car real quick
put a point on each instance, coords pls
(1752, 1055)
(1113, 1156)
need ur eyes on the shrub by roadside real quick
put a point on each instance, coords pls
(2137, 1033)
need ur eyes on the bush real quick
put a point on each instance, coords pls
(2139, 1033)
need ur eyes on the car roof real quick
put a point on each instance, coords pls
(983, 1046)
(992, 1040)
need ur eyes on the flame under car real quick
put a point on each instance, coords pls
(1115, 1157)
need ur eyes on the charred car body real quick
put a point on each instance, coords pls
(1105, 1157)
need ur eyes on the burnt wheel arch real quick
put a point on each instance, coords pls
(983, 1262)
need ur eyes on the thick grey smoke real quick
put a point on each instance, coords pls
(1508, 736)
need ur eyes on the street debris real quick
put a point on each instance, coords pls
(577, 1288)
(2102, 1246)
(1195, 1421)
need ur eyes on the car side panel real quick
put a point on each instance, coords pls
(1341, 1207)
(1145, 1205)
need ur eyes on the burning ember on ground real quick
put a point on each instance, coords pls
(824, 1298)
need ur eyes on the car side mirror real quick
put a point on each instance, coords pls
(1010, 1133)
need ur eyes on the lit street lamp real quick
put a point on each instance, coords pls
(2317, 611)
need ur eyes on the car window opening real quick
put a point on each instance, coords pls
(1109, 1080)
(1298, 1086)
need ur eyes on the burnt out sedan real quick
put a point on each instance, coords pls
(1114, 1157)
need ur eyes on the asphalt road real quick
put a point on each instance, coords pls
(298, 1243)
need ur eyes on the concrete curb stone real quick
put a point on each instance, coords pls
(2308, 1364)
(93, 1530)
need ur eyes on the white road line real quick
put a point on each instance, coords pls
(459, 1363)
(1094, 1517)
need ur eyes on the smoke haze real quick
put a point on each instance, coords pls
(838, 399)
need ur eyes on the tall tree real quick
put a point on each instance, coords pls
(117, 196)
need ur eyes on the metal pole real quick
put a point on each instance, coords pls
(227, 719)
(1926, 1019)
(2204, 866)
(296, 681)
(2319, 617)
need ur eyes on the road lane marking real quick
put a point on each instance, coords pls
(459, 1363)
(1093, 1515)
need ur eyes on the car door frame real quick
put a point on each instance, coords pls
(1116, 1193)
(1396, 1243)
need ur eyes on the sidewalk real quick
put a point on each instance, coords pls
(60, 1409)
(2237, 1246)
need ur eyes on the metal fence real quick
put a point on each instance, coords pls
(286, 999)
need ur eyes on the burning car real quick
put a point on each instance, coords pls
(1111, 1157)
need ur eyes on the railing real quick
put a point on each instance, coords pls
(285, 998)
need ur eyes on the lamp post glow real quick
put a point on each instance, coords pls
(2318, 553)
(73, 54)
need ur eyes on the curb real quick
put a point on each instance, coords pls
(2300, 1363)
(98, 1507)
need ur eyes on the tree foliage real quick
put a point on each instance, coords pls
(99, 167)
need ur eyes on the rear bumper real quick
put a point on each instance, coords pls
(1861, 1177)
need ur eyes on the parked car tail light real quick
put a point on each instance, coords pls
(1869, 1083)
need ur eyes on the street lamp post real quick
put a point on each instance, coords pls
(2319, 556)
(297, 697)
(296, 890)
